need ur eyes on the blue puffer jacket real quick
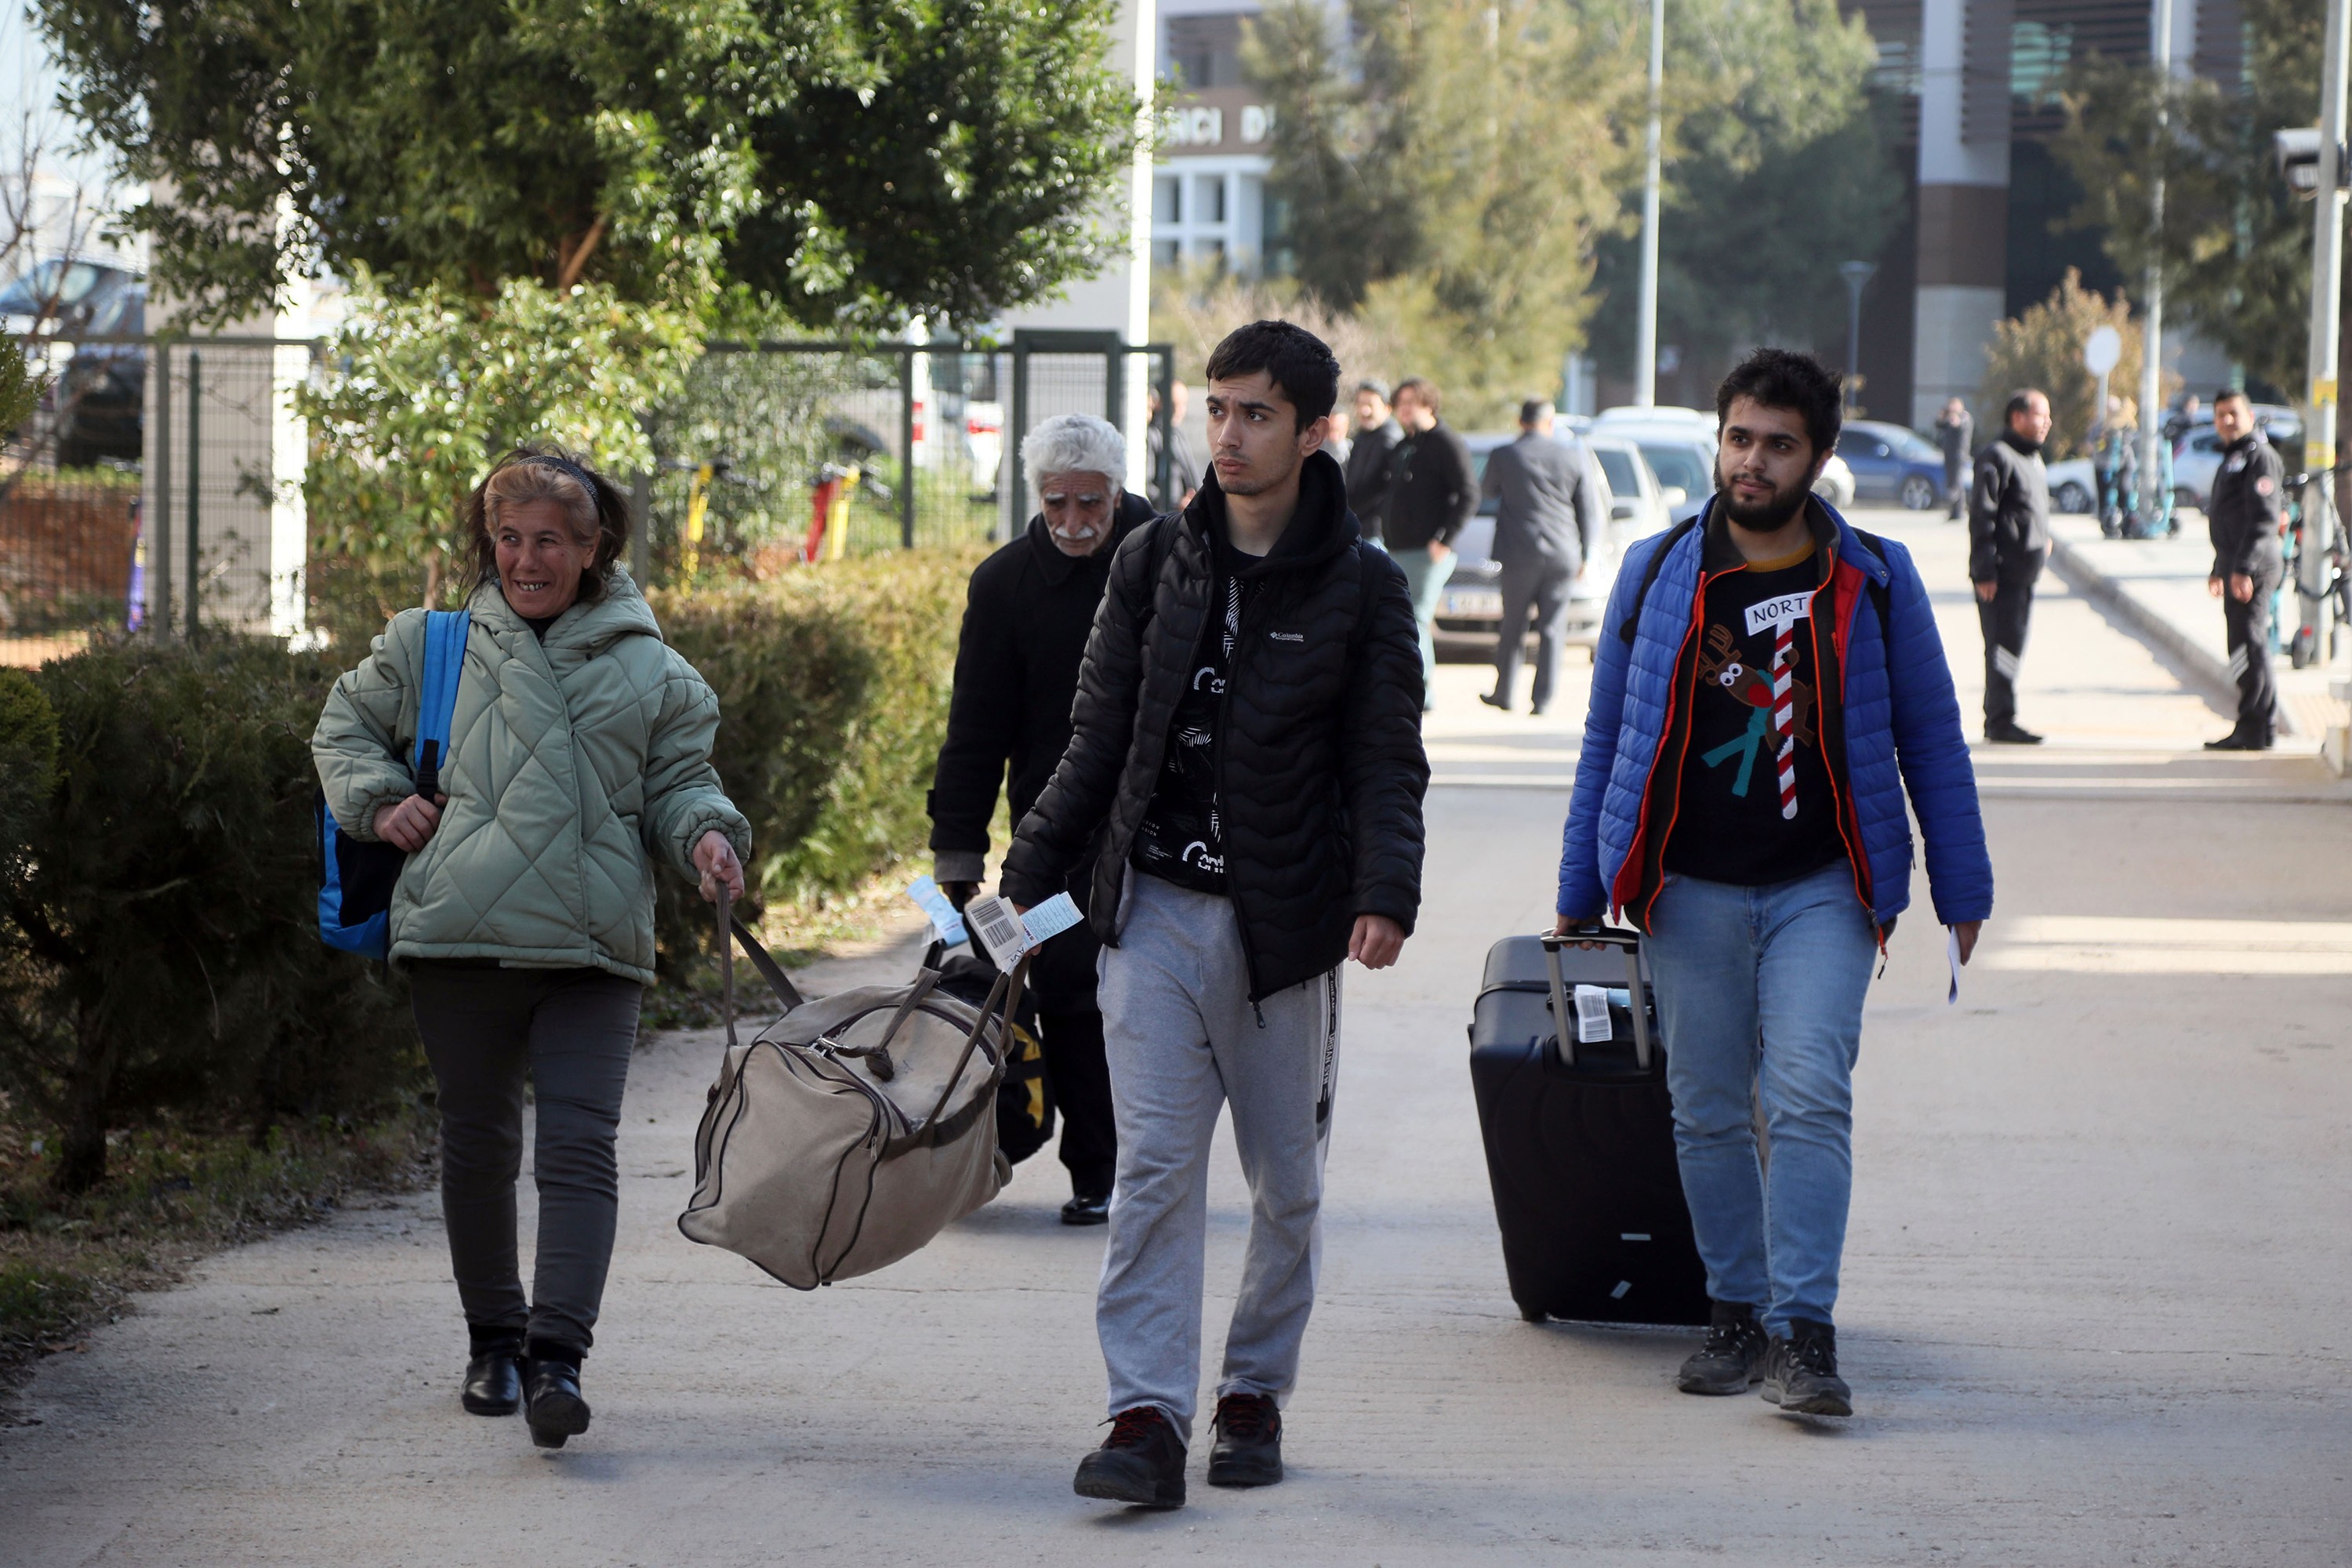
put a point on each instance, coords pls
(1901, 725)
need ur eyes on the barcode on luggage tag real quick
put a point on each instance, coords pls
(1592, 1014)
(999, 928)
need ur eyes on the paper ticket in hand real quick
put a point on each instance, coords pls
(1007, 935)
(933, 902)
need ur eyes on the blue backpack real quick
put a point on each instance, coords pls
(355, 889)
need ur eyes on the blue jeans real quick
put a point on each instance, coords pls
(1759, 990)
(1425, 580)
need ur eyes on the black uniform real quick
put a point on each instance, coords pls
(2009, 538)
(2249, 495)
(1025, 635)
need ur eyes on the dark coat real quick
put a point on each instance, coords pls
(1025, 622)
(2009, 511)
(2243, 514)
(1434, 492)
(1552, 512)
(1956, 436)
(1372, 470)
(1320, 768)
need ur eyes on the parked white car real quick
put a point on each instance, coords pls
(1470, 611)
(1836, 484)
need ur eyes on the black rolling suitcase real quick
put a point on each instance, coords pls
(1580, 1135)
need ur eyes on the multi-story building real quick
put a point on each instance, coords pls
(1208, 191)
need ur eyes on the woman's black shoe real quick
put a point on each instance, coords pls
(493, 1383)
(551, 1402)
(1087, 1209)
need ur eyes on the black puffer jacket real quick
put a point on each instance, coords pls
(1320, 768)
(1025, 632)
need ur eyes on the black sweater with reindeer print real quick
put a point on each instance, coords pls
(1756, 804)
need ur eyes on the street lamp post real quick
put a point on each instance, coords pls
(1856, 274)
(2151, 363)
(2327, 285)
(1645, 326)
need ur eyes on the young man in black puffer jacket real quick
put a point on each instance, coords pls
(1246, 754)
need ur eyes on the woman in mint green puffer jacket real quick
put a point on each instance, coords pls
(580, 753)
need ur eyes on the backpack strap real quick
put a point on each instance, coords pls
(1881, 594)
(437, 696)
(1650, 576)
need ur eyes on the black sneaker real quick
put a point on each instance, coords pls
(1800, 1372)
(1248, 1450)
(2012, 734)
(1733, 1357)
(1141, 1462)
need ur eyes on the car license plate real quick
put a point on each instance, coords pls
(1474, 604)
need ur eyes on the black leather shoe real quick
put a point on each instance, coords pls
(1491, 700)
(551, 1402)
(1141, 1462)
(493, 1383)
(1733, 1357)
(1087, 1209)
(2241, 740)
(2012, 734)
(1248, 1449)
(1800, 1372)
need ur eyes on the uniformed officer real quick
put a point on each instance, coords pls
(2009, 536)
(2245, 517)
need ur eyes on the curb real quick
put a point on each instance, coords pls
(2209, 673)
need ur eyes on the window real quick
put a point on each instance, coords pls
(1679, 465)
(1206, 51)
(1165, 253)
(1619, 467)
(1208, 196)
(1167, 199)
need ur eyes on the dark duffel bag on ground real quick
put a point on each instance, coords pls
(1580, 1135)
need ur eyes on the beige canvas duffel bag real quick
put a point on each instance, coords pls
(853, 1129)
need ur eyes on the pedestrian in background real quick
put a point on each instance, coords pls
(2183, 420)
(1245, 764)
(1433, 496)
(2119, 461)
(1551, 517)
(1025, 621)
(1184, 468)
(1335, 444)
(2009, 537)
(579, 755)
(1956, 433)
(2246, 518)
(1371, 458)
(1763, 912)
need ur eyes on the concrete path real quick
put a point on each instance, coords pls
(2095, 1306)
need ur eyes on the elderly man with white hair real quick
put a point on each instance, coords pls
(1025, 632)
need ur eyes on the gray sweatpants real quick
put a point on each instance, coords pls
(1182, 1040)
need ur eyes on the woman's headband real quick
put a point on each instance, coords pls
(566, 466)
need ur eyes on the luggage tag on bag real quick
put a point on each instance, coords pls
(1592, 1025)
(1007, 935)
(946, 924)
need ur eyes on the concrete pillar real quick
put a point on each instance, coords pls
(1963, 199)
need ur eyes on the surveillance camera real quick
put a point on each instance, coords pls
(2297, 151)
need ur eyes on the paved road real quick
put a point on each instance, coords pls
(2094, 1308)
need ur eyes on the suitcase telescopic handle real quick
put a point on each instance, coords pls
(1606, 936)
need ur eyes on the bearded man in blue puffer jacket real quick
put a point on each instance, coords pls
(1768, 683)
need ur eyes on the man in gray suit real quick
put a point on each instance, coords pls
(1555, 508)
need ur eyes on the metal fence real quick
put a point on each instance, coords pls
(161, 483)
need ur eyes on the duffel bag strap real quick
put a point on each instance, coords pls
(1003, 997)
(727, 959)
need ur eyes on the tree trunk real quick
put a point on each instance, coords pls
(81, 1149)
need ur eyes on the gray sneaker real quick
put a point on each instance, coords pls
(1800, 1372)
(1733, 1357)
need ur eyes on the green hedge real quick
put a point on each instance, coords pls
(159, 948)
(833, 698)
